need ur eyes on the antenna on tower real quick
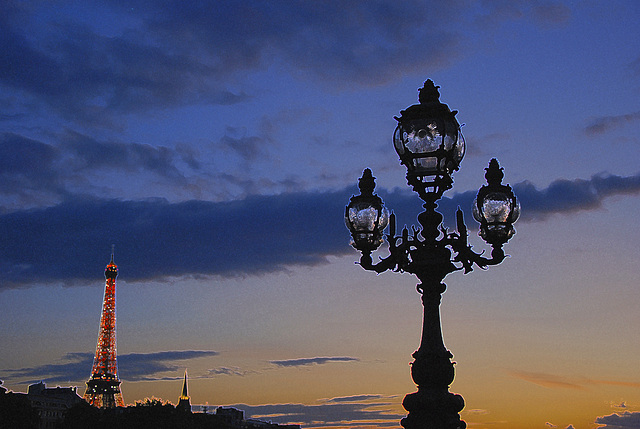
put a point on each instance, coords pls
(113, 248)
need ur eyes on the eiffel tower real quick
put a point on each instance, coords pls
(103, 387)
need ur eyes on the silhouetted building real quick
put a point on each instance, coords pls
(103, 388)
(233, 416)
(259, 424)
(184, 404)
(52, 403)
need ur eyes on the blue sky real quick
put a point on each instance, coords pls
(215, 144)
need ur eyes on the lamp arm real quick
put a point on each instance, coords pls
(385, 264)
(497, 256)
(398, 254)
(464, 255)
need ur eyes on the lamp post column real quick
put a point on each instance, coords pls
(432, 406)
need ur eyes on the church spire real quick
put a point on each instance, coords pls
(184, 402)
(184, 395)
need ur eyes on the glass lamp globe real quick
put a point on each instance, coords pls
(428, 139)
(366, 223)
(496, 207)
(366, 217)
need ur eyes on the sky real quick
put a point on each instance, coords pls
(216, 144)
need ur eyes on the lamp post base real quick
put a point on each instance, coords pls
(433, 409)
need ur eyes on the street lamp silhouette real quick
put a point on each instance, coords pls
(430, 145)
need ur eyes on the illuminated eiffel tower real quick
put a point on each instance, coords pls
(103, 387)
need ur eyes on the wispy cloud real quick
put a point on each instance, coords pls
(546, 380)
(355, 398)
(76, 367)
(312, 361)
(42, 173)
(563, 382)
(476, 412)
(249, 148)
(224, 370)
(606, 123)
(619, 404)
(88, 154)
(616, 383)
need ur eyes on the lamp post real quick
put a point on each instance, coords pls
(430, 145)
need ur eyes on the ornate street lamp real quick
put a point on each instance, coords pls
(430, 145)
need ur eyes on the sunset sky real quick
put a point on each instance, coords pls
(215, 144)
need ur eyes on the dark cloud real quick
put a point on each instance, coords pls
(145, 366)
(35, 173)
(76, 367)
(626, 420)
(357, 41)
(175, 53)
(28, 167)
(376, 414)
(606, 123)
(312, 361)
(570, 196)
(38, 173)
(85, 76)
(561, 196)
(90, 154)
(72, 367)
(156, 239)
